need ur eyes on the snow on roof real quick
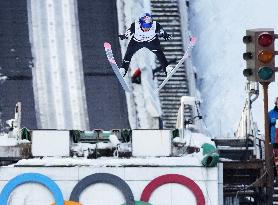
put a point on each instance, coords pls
(188, 160)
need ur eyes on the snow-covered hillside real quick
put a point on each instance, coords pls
(220, 26)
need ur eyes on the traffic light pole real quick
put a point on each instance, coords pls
(268, 150)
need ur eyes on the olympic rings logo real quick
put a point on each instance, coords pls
(101, 178)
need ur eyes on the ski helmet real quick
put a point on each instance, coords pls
(146, 20)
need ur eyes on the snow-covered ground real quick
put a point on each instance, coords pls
(220, 26)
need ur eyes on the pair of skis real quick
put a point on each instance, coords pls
(110, 57)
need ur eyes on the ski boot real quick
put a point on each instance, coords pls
(123, 71)
(168, 70)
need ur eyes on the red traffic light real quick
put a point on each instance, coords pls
(265, 39)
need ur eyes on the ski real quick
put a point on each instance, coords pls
(192, 42)
(110, 57)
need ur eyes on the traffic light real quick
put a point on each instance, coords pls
(260, 55)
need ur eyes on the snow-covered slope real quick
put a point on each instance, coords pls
(220, 26)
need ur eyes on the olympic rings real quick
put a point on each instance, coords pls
(101, 178)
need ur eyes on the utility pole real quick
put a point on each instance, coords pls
(268, 150)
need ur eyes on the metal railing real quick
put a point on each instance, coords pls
(247, 128)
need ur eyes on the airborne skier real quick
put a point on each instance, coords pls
(145, 33)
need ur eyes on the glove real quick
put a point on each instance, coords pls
(122, 37)
(160, 34)
(167, 36)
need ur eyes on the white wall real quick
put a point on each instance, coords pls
(103, 194)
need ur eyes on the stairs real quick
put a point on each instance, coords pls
(275, 185)
(243, 170)
(235, 148)
(275, 193)
(166, 12)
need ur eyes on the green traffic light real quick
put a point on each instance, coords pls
(265, 73)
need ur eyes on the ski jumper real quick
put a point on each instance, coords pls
(145, 39)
